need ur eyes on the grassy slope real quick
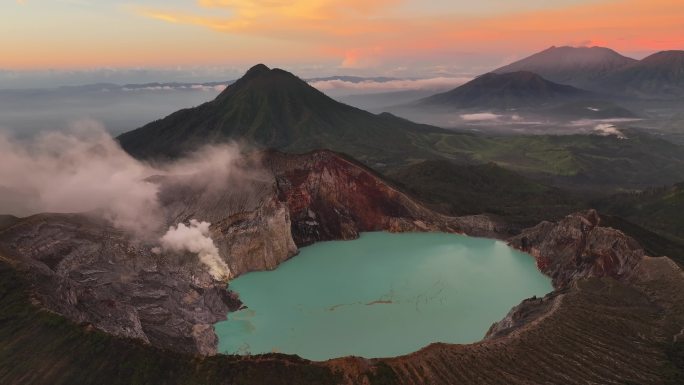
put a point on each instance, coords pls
(273, 108)
(502, 91)
(488, 188)
(575, 160)
(38, 347)
(660, 209)
(655, 244)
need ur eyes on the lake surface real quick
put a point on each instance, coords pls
(381, 295)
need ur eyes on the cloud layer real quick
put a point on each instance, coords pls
(480, 116)
(437, 83)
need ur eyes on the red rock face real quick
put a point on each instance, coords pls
(577, 246)
(332, 197)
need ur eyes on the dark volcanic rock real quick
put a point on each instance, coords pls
(92, 273)
(88, 271)
(333, 197)
(577, 246)
(528, 310)
(610, 321)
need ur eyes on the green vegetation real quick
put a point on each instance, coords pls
(655, 244)
(659, 209)
(590, 109)
(488, 188)
(38, 347)
(273, 108)
(577, 161)
(505, 90)
(654, 218)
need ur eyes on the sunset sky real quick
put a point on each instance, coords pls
(213, 39)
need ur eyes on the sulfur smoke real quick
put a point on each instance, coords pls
(82, 170)
(195, 239)
(85, 170)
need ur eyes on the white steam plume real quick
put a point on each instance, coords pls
(85, 170)
(195, 239)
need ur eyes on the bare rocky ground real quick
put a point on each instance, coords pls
(610, 320)
(93, 273)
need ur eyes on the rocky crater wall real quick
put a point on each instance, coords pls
(93, 273)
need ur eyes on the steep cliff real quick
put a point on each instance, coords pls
(91, 272)
(614, 317)
(612, 322)
(331, 196)
(577, 246)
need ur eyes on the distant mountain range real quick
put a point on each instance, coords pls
(578, 66)
(507, 90)
(276, 109)
(659, 75)
(568, 82)
(606, 71)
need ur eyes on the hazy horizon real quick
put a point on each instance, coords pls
(217, 40)
(17, 79)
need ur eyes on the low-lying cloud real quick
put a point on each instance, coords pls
(480, 116)
(194, 87)
(607, 129)
(437, 83)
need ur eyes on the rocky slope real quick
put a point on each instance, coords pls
(616, 317)
(601, 331)
(578, 247)
(92, 273)
(330, 196)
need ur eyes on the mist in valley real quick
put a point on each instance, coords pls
(25, 113)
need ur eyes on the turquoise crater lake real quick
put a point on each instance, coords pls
(380, 295)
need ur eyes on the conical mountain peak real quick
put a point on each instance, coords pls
(507, 90)
(271, 108)
(264, 83)
(257, 70)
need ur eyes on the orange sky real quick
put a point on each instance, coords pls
(351, 34)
